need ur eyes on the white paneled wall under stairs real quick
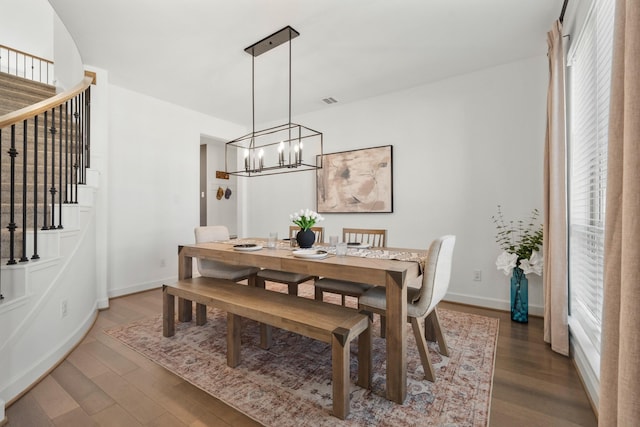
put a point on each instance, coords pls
(50, 303)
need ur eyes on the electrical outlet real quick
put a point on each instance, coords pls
(477, 275)
(63, 308)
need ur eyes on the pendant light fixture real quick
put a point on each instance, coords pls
(289, 147)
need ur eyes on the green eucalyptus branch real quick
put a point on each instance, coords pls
(518, 238)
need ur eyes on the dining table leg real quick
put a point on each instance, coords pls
(185, 271)
(396, 292)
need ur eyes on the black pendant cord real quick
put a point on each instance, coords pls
(564, 9)
(290, 98)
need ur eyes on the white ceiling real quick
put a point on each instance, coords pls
(191, 52)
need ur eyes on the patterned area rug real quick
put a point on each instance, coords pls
(290, 384)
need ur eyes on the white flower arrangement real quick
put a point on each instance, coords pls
(306, 218)
(520, 244)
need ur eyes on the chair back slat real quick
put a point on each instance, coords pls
(293, 231)
(371, 236)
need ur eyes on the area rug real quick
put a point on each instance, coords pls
(290, 384)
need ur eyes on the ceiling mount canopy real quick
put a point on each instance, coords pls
(289, 147)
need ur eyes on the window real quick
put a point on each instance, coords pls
(588, 94)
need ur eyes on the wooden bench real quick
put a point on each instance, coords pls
(329, 323)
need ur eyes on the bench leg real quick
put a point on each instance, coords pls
(265, 336)
(184, 310)
(168, 313)
(340, 375)
(201, 314)
(265, 330)
(365, 357)
(233, 339)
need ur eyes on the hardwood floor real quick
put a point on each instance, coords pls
(104, 383)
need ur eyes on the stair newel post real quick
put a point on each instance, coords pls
(66, 151)
(45, 202)
(52, 190)
(12, 196)
(35, 189)
(24, 258)
(60, 172)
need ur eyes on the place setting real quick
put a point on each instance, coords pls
(310, 253)
(247, 247)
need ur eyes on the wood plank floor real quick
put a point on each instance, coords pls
(104, 383)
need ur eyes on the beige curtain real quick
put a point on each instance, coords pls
(620, 363)
(556, 330)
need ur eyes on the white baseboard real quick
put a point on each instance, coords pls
(141, 287)
(496, 304)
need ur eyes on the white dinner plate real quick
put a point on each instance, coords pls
(310, 253)
(357, 245)
(247, 247)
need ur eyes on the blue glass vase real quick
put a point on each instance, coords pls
(519, 296)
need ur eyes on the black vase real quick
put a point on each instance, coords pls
(306, 238)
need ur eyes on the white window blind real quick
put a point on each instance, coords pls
(589, 88)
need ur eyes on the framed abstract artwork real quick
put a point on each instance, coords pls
(357, 181)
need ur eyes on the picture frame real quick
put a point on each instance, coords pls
(356, 181)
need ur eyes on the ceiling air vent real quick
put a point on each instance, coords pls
(329, 100)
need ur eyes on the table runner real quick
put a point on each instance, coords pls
(398, 255)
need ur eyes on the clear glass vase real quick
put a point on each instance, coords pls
(519, 296)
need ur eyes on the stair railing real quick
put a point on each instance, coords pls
(65, 156)
(26, 65)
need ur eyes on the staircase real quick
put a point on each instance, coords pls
(35, 209)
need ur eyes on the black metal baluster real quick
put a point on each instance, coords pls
(76, 164)
(87, 126)
(24, 258)
(12, 196)
(66, 152)
(45, 216)
(53, 190)
(1, 296)
(60, 174)
(35, 189)
(75, 148)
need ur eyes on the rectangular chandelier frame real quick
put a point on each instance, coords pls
(286, 148)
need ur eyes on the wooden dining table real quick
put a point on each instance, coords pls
(392, 274)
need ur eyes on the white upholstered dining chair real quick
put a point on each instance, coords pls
(292, 280)
(372, 237)
(217, 269)
(422, 301)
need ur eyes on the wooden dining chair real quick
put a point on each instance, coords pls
(217, 269)
(373, 237)
(422, 301)
(292, 280)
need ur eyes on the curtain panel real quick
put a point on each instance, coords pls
(554, 279)
(619, 369)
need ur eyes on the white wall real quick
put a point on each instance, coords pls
(153, 202)
(27, 25)
(460, 147)
(68, 64)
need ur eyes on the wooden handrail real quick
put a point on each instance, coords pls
(48, 61)
(42, 106)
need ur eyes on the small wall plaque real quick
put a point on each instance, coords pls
(222, 175)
